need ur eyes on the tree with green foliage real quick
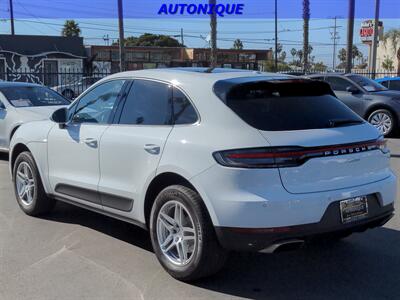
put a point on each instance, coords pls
(320, 66)
(356, 55)
(151, 40)
(238, 44)
(293, 52)
(393, 35)
(71, 28)
(388, 64)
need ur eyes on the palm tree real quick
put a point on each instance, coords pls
(393, 36)
(306, 27)
(238, 44)
(293, 52)
(71, 28)
(213, 25)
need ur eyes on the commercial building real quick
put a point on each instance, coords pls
(106, 58)
(40, 59)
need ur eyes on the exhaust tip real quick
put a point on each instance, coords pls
(284, 246)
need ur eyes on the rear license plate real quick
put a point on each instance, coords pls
(354, 209)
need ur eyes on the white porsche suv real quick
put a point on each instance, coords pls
(209, 161)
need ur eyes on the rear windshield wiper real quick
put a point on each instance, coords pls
(343, 122)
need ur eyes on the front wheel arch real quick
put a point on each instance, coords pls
(13, 131)
(17, 150)
(378, 107)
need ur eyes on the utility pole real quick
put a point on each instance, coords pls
(375, 39)
(306, 28)
(182, 41)
(213, 25)
(121, 37)
(12, 17)
(350, 35)
(335, 38)
(276, 35)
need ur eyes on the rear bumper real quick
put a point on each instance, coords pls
(259, 239)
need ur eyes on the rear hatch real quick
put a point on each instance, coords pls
(320, 143)
(346, 159)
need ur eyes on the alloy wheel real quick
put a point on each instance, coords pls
(382, 121)
(176, 234)
(25, 183)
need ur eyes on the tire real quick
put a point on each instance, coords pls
(383, 120)
(207, 256)
(35, 202)
(68, 94)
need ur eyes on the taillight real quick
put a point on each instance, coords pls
(284, 157)
(382, 144)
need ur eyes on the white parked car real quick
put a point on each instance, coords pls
(73, 89)
(24, 102)
(209, 161)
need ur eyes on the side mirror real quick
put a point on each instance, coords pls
(60, 117)
(352, 89)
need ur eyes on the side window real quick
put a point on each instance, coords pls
(71, 111)
(2, 105)
(318, 78)
(338, 84)
(184, 112)
(148, 103)
(97, 105)
(385, 83)
(395, 85)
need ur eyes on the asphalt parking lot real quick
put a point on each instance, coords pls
(76, 254)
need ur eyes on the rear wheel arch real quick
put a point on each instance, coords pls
(159, 183)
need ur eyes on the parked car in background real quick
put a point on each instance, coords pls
(369, 99)
(208, 162)
(74, 89)
(392, 83)
(24, 102)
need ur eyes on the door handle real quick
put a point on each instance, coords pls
(91, 142)
(152, 149)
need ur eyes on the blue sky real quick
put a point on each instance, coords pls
(255, 28)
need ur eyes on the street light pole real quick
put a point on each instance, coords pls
(375, 39)
(121, 37)
(350, 35)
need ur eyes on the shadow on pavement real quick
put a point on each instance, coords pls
(4, 156)
(123, 231)
(364, 266)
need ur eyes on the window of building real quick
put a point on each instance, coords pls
(2, 69)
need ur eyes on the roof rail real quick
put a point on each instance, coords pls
(209, 70)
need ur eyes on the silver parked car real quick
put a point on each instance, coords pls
(75, 88)
(24, 102)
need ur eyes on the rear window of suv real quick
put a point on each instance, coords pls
(286, 104)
